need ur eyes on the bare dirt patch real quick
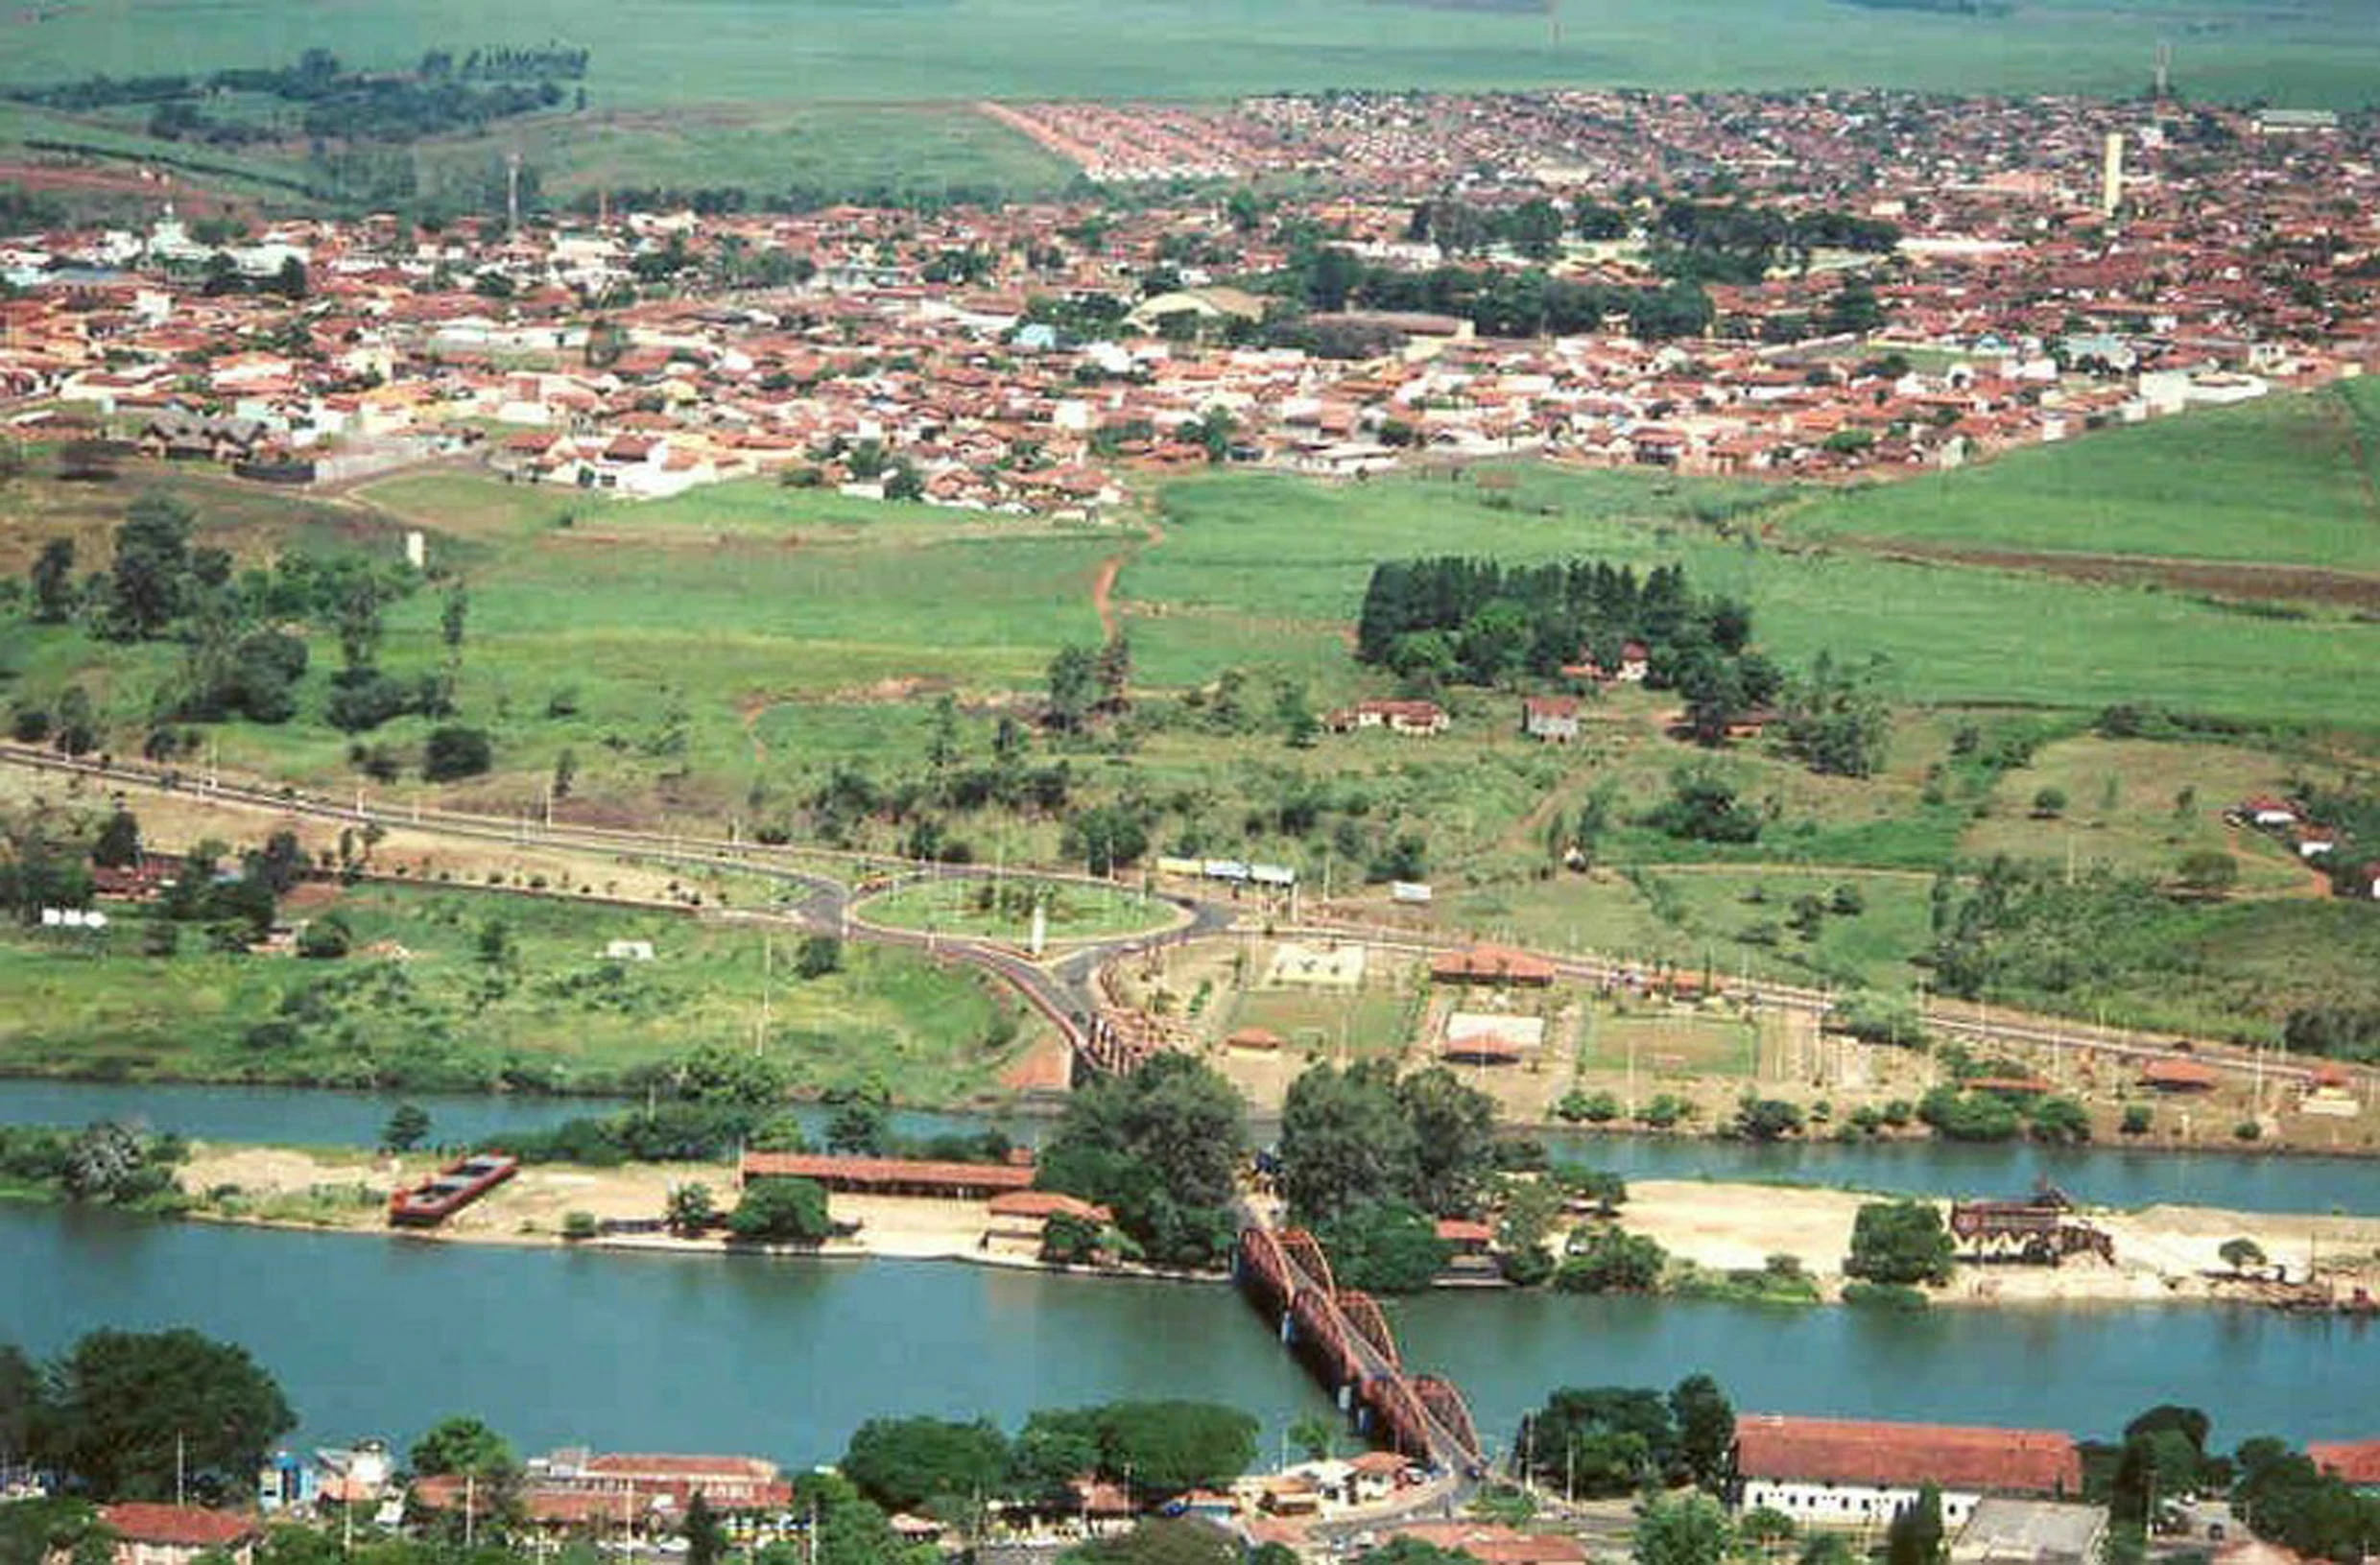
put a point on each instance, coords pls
(2217, 579)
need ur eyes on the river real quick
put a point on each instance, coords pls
(2103, 1176)
(383, 1335)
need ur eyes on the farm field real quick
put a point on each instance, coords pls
(779, 96)
(887, 152)
(420, 1006)
(1263, 549)
(2200, 487)
(668, 53)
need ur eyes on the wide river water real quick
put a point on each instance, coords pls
(383, 1335)
(377, 1334)
(2105, 1176)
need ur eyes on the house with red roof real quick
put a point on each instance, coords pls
(1845, 1472)
(158, 1534)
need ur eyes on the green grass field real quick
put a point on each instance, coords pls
(1265, 549)
(1668, 1047)
(2203, 486)
(1371, 1022)
(968, 907)
(564, 1016)
(871, 99)
(665, 53)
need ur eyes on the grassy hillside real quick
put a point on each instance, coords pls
(735, 651)
(1280, 564)
(2288, 480)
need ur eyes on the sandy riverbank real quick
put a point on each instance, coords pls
(2164, 1253)
(2161, 1252)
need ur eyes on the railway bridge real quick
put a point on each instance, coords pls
(1345, 1337)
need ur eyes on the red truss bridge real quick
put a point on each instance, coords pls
(1343, 1334)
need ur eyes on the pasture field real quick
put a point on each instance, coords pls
(663, 54)
(2284, 480)
(1269, 548)
(1735, 920)
(2138, 806)
(418, 1007)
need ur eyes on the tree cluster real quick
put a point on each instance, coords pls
(1367, 1137)
(1498, 302)
(1899, 1243)
(1159, 1448)
(121, 1413)
(1483, 623)
(1159, 1148)
(1610, 1440)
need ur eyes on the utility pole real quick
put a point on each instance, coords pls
(767, 975)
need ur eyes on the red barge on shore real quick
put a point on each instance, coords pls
(450, 1189)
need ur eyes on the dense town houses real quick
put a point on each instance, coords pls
(1954, 279)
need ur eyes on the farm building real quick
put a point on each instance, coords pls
(1552, 719)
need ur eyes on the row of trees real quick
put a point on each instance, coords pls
(1497, 302)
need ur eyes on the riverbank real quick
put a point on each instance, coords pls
(2163, 1254)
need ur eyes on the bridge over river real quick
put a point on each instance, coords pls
(1342, 1332)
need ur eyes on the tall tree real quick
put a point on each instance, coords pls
(132, 1406)
(1454, 1130)
(1705, 1429)
(1346, 1141)
(118, 844)
(51, 579)
(706, 1541)
(1074, 682)
(152, 570)
(1915, 1535)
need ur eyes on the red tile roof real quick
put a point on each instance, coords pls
(886, 1173)
(187, 1527)
(1047, 1203)
(2177, 1072)
(2358, 1461)
(1491, 962)
(1849, 1450)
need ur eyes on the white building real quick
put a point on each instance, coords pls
(1837, 1472)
